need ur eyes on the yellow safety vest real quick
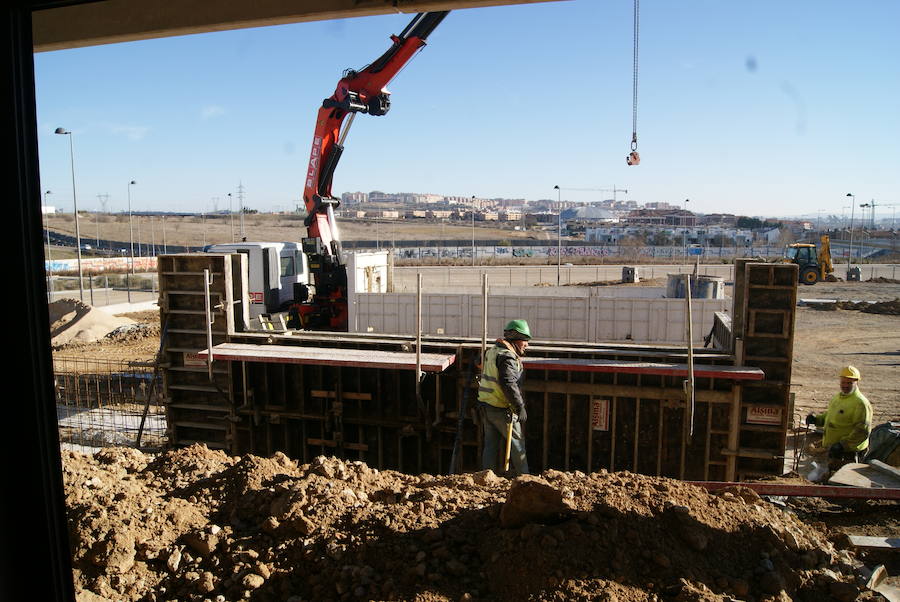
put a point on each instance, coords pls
(848, 420)
(489, 390)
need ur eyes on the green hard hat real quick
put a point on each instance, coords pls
(518, 326)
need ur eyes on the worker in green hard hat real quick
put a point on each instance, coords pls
(847, 422)
(500, 399)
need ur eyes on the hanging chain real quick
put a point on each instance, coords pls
(634, 101)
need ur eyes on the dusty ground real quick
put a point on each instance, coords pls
(195, 524)
(827, 340)
(194, 231)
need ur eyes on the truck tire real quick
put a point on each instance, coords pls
(809, 275)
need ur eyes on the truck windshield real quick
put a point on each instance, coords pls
(790, 253)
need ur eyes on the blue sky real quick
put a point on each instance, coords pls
(758, 108)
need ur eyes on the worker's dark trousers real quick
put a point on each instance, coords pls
(846, 458)
(494, 422)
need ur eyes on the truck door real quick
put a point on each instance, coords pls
(270, 261)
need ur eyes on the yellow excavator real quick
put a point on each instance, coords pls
(815, 265)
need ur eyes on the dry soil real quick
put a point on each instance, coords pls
(195, 524)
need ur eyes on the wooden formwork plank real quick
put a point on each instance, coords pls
(608, 390)
(329, 356)
(655, 368)
(789, 490)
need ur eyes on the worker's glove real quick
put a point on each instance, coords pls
(836, 451)
(522, 415)
(811, 419)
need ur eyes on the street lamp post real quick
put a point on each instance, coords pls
(473, 230)
(558, 234)
(871, 208)
(131, 242)
(231, 213)
(684, 232)
(75, 207)
(850, 250)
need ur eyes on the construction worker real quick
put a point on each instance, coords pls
(847, 422)
(500, 400)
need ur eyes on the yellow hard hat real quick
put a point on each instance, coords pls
(850, 372)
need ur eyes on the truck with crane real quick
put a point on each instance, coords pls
(313, 280)
(325, 304)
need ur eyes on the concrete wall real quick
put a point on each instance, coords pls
(583, 318)
(404, 278)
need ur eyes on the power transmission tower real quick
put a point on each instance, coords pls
(240, 190)
(104, 201)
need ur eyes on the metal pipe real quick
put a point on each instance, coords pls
(419, 337)
(689, 383)
(484, 308)
(207, 280)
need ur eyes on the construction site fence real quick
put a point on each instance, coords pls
(105, 289)
(108, 403)
(405, 278)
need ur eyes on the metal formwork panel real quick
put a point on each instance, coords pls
(631, 416)
(765, 339)
(197, 406)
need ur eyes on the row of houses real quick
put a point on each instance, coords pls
(434, 214)
(661, 235)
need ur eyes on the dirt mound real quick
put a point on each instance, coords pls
(884, 280)
(75, 322)
(891, 308)
(195, 524)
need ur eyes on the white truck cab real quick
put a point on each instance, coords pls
(273, 269)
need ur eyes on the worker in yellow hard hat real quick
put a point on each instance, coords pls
(847, 422)
(500, 400)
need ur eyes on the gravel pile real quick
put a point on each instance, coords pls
(197, 524)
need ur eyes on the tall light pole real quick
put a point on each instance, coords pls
(49, 265)
(131, 239)
(863, 206)
(66, 132)
(473, 230)
(231, 213)
(684, 232)
(131, 226)
(558, 233)
(850, 250)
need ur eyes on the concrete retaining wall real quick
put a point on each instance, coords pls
(582, 318)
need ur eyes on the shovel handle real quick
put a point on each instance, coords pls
(509, 428)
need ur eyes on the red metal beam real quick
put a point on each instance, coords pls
(870, 493)
(700, 370)
(329, 356)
